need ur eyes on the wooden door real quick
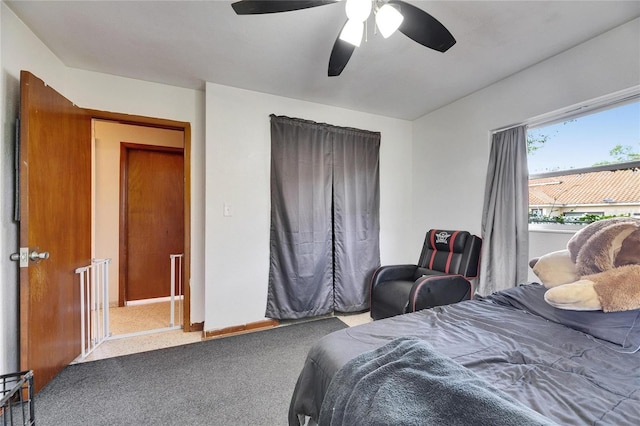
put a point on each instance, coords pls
(153, 213)
(55, 217)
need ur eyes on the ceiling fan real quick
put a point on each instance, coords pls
(390, 16)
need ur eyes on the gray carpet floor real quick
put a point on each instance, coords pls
(239, 380)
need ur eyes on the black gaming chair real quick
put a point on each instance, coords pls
(448, 263)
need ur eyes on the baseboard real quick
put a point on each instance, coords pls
(153, 300)
(196, 326)
(240, 329)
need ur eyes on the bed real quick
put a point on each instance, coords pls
(560, 367)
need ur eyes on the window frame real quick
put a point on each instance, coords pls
(594, 106)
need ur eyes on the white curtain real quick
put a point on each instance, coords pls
(505, 230)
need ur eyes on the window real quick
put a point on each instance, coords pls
(586, 166)
(536, 212)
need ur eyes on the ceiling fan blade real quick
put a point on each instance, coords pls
(423, 28)
(257, 7)
(340, 55)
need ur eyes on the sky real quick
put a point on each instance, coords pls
(586, 140)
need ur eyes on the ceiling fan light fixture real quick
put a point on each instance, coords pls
(358, 10)
(352, 32)
(390, 15)
(388, 20)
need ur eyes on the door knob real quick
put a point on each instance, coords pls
(35, 256)
(24, 256)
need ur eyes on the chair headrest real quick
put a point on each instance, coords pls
(447, 240)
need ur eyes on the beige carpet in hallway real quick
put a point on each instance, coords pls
(148, 316)
(132, 330)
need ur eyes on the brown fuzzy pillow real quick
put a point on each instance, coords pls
(600, 251)
(618, 289)
(580, 238)
(630, 251)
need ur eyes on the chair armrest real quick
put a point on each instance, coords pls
(392, 273)
(438, 290)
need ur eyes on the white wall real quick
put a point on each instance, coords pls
(21, 49)
(8, 233)
(451, 145)
(238, 167)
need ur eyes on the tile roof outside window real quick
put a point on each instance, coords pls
(612, 191)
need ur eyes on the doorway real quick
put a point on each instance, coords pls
(141, 312)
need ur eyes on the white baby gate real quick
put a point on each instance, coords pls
(94, 304)
(176, 277)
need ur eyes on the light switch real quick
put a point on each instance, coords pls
(226, 211)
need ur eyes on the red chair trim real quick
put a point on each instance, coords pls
(451, 242)
(433, 244)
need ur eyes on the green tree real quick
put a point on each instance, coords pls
(535, 142)
(620, 154)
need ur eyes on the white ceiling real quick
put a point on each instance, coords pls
(187, 43)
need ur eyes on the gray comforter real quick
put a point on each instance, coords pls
(572, 367)
(406, 382)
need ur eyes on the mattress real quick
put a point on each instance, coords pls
(571, 367)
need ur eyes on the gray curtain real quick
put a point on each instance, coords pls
(356, 205)
(505, 231)
(325, 225)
